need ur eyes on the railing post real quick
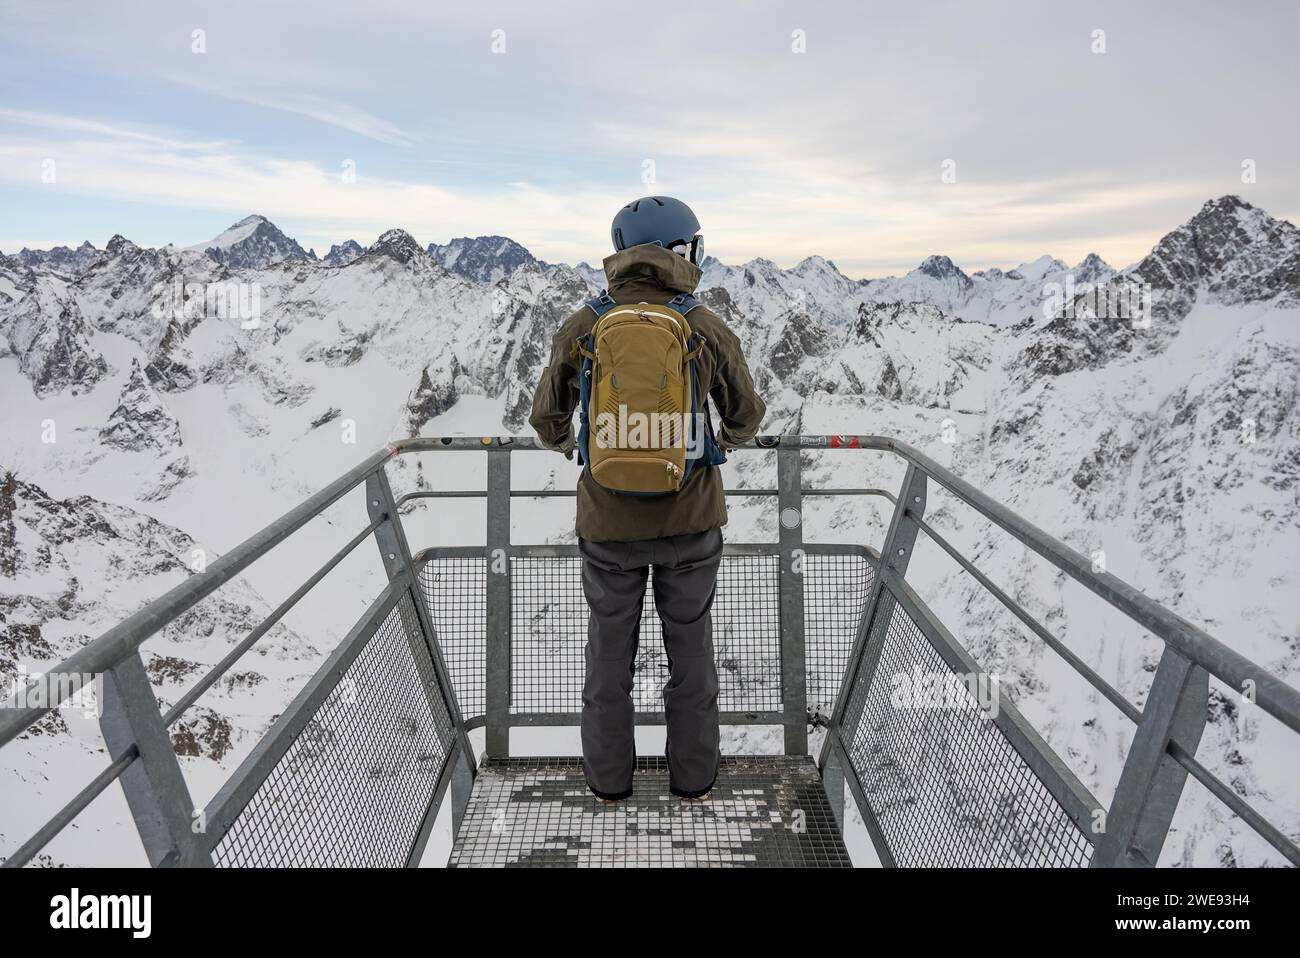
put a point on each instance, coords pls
(833, 783)
(1151, 782)
(794, 688)
(395, 553)
(154, 785)
(462, 785)
(895, 555)
(498, 617)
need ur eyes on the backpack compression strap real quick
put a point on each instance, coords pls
(683, 303)
(602, 304)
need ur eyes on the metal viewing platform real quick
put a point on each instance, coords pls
(808, 638)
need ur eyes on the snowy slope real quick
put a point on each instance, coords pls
(75, 567)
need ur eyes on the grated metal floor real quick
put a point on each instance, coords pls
(767, 811)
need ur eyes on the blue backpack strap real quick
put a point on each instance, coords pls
(602, 304)
(585, 349)
(711, 453)
(683, 303)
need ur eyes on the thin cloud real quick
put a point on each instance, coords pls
(98, 128)
(111, 163)
(328, 110)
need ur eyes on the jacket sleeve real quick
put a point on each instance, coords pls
(557, 396)
(739, 405)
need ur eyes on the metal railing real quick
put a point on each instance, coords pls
(807, 635)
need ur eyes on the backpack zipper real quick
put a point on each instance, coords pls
(642, 313)
(672, 469)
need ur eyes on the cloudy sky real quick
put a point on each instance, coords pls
(792, 128)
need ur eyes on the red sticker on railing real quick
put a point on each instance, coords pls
(845, 442)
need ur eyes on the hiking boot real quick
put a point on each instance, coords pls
(609, 798)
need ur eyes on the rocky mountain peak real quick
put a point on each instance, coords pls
(817, 264)
(1092, 263)
(140, 421)
(1227, 205)
(119, 244)
(1229, 253)
(435, 394)
(941, 267)
(253, 243)
(1236, 251)
(60, 259)
(396, 244)
(1215, 232)
(483, 259)
(343, 253)
(51, 339)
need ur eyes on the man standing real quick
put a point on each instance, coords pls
(678, 533)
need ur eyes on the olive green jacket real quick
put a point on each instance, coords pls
(650, 274)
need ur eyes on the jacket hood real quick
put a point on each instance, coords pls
(649, 268)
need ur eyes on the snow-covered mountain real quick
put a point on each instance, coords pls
(993, 296)
(1172, 446)
(593, 276)
(60, 259)
(72, 568)
(1229, 254)
(253, 243)
(343, 253)
(816, 286)
(485, 259)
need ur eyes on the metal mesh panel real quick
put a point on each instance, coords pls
(746, 640)
(945, 785)
(549, 629)
(835, 589)
(355, 785)
(764, 811)
(549, 632)
(548, 626)
(456, 592)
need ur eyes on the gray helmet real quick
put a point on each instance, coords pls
(661, 220)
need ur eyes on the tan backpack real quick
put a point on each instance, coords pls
(641, 416)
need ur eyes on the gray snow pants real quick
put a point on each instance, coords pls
(614, 581)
